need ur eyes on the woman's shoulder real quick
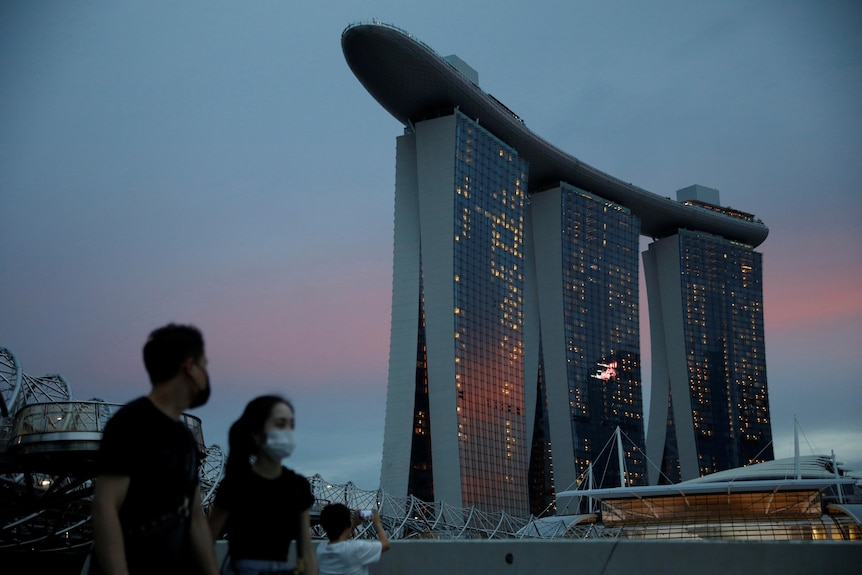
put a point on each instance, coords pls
(298, 484)
(291, 476)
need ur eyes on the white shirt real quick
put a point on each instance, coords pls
(350, 557)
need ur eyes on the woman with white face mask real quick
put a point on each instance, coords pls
(261, 505)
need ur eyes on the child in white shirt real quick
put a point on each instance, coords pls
(343, 555)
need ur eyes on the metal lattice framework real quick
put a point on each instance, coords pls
(19, 389)
(57, 513)
(39, 509)
(47, 507)
(50, 510)
(412, 518)
(211, 473)
(10, 381)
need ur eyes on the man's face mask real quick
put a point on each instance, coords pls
(203, 395)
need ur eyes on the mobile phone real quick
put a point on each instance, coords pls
(366, 514)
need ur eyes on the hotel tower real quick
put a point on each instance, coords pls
(515, 343)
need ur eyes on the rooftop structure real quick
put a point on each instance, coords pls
(413, 84)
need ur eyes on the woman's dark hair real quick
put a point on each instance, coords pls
(241, 437)
(335, 518)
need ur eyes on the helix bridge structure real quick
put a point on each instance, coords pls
(411, 518)
(48, 445)
(49, 440)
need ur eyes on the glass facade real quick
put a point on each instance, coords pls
(488, 284)
(757, 516)
(472, 204)
(722, 291)
(600, 276)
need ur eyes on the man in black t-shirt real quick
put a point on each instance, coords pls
(147, 515)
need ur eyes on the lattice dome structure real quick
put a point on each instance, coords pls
(48, 443)
(412, 518)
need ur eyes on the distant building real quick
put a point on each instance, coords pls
(585, 254)
(515, 343)
(709, 404)
(456, 400)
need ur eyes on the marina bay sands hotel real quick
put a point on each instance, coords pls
(515, 338)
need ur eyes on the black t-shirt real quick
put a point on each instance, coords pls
(263, 514)
(161, 458)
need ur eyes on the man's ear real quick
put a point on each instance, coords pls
(189, 363)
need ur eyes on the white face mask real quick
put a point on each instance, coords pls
(279, 444)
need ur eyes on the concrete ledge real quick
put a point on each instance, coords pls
(622, 557)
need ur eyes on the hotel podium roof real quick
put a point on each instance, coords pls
(413, 84)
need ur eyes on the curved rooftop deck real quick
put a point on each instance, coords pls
(413, 83)
(65, 435)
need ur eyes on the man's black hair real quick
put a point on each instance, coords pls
(168, 347)
(335, 518)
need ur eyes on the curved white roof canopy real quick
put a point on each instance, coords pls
(816, 472)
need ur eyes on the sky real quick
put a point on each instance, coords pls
(217, 163)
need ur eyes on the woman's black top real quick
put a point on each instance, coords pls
(263, 514)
